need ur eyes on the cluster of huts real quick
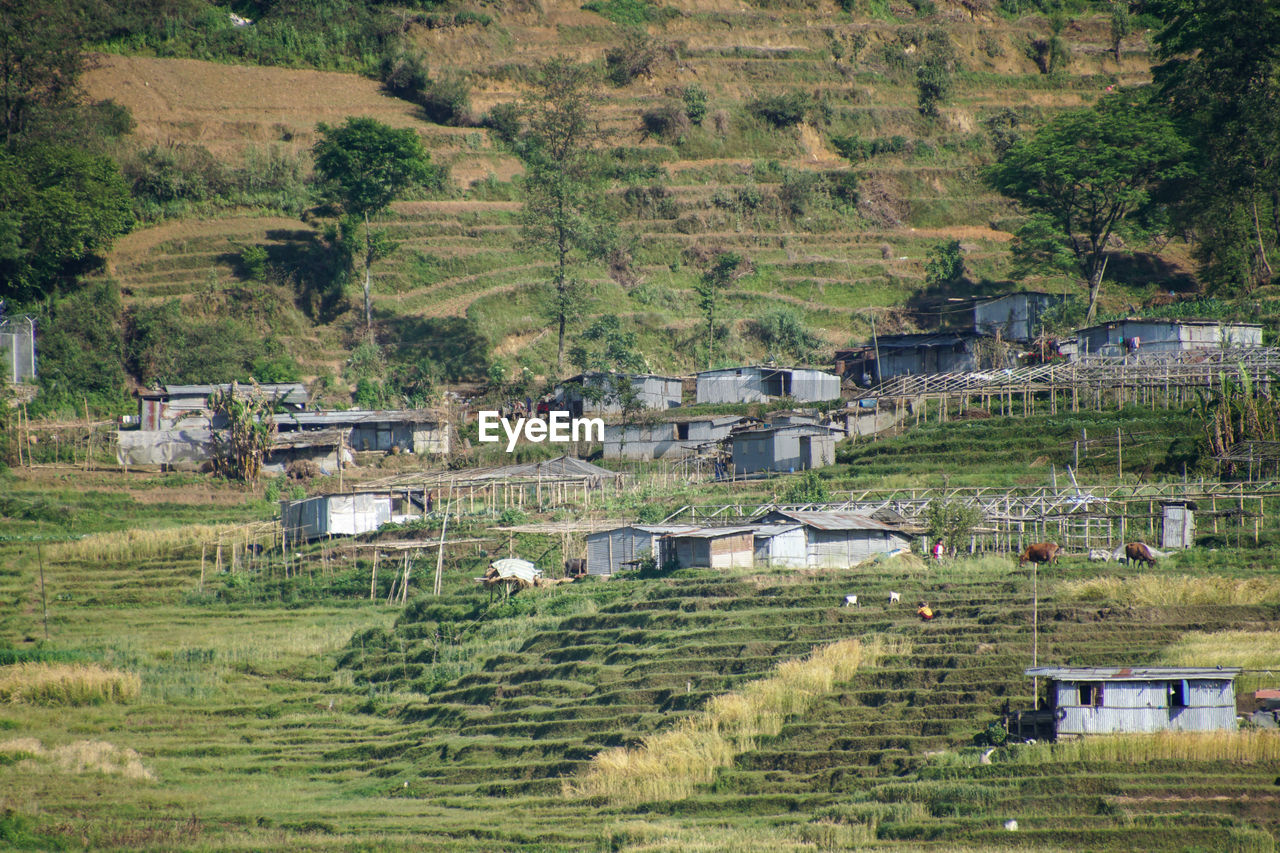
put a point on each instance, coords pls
(782, 537)
(176, 425)
(1003, 331)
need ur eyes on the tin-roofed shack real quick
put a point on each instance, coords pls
(784, 448)
(840, 539)
(1016, 316)
(1106, 700)
(593, 392)
(173, 404)
(620, 549)
(755, 384)
(420, 431)
(1135, 336)
(671, 438)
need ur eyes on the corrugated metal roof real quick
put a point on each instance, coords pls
(712, 532)
(359, 416)
(287, 392)
(834, 520)
(310, 438)
(662, 528)
(767, 531)
(1137, 673)
(801, 429)
(925, 340)
(1172, 322)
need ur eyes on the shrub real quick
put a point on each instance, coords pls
(781, 111)
(798, 191)
(634, 57)
(253, 260)
(631, 13)
(667, 121)
(784, 332)
(695, 102)
(447, 101)
(404, 75)
(944, 264)
(808, 488)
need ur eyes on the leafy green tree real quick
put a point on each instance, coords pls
(709, 287)
(1079, 177)
(808, 488)
(81, 352)
(366, 165)
(695, 102)
(60, 210)
(564, 211)
(934, 73)
(952, 522)
(1121, 25)
(944, 264)
(612, 347)
(1219, 73)
(40, 61)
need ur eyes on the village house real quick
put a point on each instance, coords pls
(622, 548)
(797, 447)
(839, 539)
(1134, 336)
(1104, 700)
(919, 354)
(592, 393)
(760, 384)
(172, 405)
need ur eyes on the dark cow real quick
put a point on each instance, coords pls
(576, 568)
(1041, 552)
(1138, 552)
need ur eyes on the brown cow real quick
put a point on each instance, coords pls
(1041, 552)
(1138, 552)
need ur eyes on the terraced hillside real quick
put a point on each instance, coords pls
(727, 184)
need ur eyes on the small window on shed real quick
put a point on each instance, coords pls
(1091, 694)
(1178, 693)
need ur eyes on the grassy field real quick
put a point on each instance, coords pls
(274, 713)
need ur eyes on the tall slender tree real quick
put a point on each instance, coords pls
(709, 287)
(564, 212)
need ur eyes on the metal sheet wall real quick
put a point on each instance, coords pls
(1143, 706)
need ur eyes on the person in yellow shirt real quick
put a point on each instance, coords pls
(925, 612)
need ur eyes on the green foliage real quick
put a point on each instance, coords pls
(564, 212)
(1236, 411)
(807, 488)
(60, 210)
(171, 180)
(612, 347)
(934, 73)
(81, 352)
(1081, 176)
(1121, 25)
(1065, 317)
(695, 102)
(944, 265)
(336, 34)
(722, 272)
(631, 13)
(667, 121)
(253, 259)
(365, 165)
(1219, 73)
(784, 333)
(782, 110)
(404, 74)
(41, 58)
(951, 521)
(239, 448)
(166, 342)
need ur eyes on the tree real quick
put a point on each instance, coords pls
(952, 522)
(933, 74)
(717, 278)
(944, 264)
(367, 165)
(1219, 73)
(1121, 25)
(1079, 177)
(564, 211)
(60, 210)
(40, 61)
(240, 447)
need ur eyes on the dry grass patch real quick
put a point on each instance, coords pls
(669, 765)
(1247, 649)
(82, 756)
(66, 684)
(121, 545)
(1246, 747)
(1162, 591)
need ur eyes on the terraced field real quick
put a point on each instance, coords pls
(459, 255)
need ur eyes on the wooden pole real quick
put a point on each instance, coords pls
(439, 584)
(373, 578)
(202, 548)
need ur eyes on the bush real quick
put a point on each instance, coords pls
(695, 102)
(944, 264)
(783, 331)
(253, 261)
(781, 111)
(808, 488)
(404, 75)
(447, 101)
(667, 122)
(635, 57)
